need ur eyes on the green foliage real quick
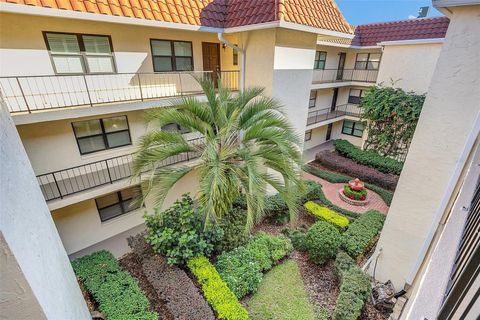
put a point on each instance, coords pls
(215, 290)
(368, 157)
(179, 233)
(354, 195)
(297, 237)
(313, 191)
(242, 138)
(242, 267)
(233, 226)
(322, 241)
(355, 288)
(325, 214)
(116, 291)
(393, 115)
(281, 295)
(357, 239)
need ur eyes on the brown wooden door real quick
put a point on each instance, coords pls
(211, 59)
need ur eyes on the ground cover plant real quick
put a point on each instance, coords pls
(116, 291)
(322, 242)
(281, 295)
(327, 215)
(362, 232)
(215, 290)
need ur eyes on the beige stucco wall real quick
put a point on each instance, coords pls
(23, 50)
(447, 119)
(409, 66)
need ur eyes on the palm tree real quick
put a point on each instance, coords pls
(247, 144)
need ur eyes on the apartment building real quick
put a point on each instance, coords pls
(77, 75)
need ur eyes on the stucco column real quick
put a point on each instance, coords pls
(37, 280)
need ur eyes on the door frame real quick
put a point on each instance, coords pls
(342, 57)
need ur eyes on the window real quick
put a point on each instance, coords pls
(115, 204)
(80, 53)
(320, 59)
(313, 99)
(308, 135)
(356, 96)
(367, 61)
(171, 55)
(353, 128)
(235, 57)
(100, 134)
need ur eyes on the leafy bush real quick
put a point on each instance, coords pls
(179, 234)
(215, 290)
(234, 232)
(336, 162)
(327, 215)
(116, 291)
(322, 242)
(313, 191)
(368, 157)
(172, 284)
(297, 237)
(242, 268)
(357, 239)
(354, 195)
(355, 288)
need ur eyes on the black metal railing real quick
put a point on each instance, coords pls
(327, 113)
(61, 183)
(36, 93)
(342, 75)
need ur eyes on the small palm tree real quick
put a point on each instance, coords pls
(246, 145)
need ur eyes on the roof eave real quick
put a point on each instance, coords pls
(411, 42)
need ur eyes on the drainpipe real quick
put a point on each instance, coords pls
(244, 60)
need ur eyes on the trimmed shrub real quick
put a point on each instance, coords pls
(118, 295)
(368, 157)
(327, 215)
(354, 195)
(297, 237)
(179, 233)
(313, 191)
(322, 242)
(359, 236)
(172, 284)
(215, 290)
(234, 232)
(242, 268)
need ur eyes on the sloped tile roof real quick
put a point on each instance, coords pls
(211, 13)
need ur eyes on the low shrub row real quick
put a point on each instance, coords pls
(355, 288)
(116, 291)
(327, 215)
(333, 177)
(242, 267)
(322, 242)
(215, 290)
(360, 234)
(368, 157)
(336, 162)
(172, 284)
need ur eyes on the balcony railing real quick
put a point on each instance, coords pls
(35, 93)
(339, 75)
(58, 184)
(326, 113)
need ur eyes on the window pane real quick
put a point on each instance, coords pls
(359, 125)
(362, 57)
(115, 124)
(321, 64)
(96, 44)
(373, 65)
(323, 56)
(183, 64)
(91, 144)
(118, 139)
(161, 48)
(375, 57)
(183, 49)
(107, 200)
(100, 64)
(68, 64)
(348, 124)
(87, 128)
(317, 55)
(360, 65)
(63, 43)
(130, 205)
(130, 193)
(110, 212)
(162, 64)
(357, 133)
(354, 92)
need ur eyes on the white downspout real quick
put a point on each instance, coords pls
(244, 59)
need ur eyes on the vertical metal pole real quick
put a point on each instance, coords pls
(88, 92)
(108, 171)
(140, 86)
(23, 95)
(56, 184)
(180, 83)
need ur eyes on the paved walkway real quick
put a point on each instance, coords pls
(331, 192)
(309, 154)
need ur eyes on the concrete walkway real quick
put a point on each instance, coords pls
(309, 154)
(331, 192)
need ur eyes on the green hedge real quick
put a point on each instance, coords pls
(368, 157)
(242, 267)
(355, 288)
(116, 291)
(327, 215)
(333, 177)
(322, 242)
(216, 291)
(357, 239)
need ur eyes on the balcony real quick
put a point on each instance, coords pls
(345, 75)
(327, 114)
(30, 94)
(62, 183)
